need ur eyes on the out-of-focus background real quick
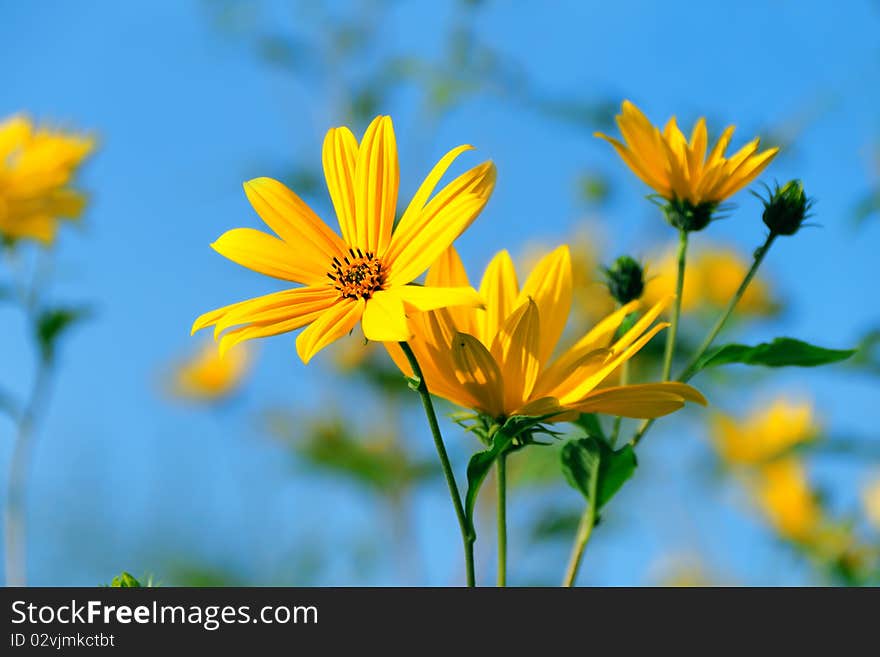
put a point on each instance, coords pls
(325, 475)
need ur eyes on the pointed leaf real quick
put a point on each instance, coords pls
(782, 352)
(595, 470)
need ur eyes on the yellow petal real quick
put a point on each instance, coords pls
(747, 172)
(578, 386)
(549, 284)
(425, 298)
(377, 179)
(268, 255)
(239, 334)
(331, 325)
(279, 306)
(385, 318)
(448, 271)
(441, 221)
(630, 401)
(14, 132)
(515, 349)
(478, 374)
(292, 220)
(409, 222)
(500, 289)
(642, 324)
(339, 156)
(697, 148)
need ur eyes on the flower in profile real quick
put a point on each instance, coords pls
(782, 491)
(364, 275)
(37, 166)
(768, 432)
(713, 276)
(499, 360)
(680, 171)
(210, 376)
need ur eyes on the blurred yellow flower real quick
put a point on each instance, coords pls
(497, 360)
(591, 300)
(767, 433)
(783, 493)
(37, 166)
(364, 276)
(871, 502)
(713, 276)
(678, 169)
(208, 376)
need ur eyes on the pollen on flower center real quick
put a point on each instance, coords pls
(358, 275)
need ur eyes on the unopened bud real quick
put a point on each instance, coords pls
(625, 279)
(786, 208)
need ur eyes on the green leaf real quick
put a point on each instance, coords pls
(615, 469)
(51, 324)
(782, 352)
(478, 468)
(589, 422)
(580, 465)
(125, 581)
(595, 470)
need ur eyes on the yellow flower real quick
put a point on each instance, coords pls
(208, 376)
(767, 433)
(713, 276)
(37, 166)
(784, 495)
(363, 276)
(678, 169)
(871, 502)
(498, 362)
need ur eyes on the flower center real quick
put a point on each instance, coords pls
(358, 275)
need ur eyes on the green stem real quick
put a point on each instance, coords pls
(624, 380)
(422, 388)
(14, 512)
(585, 530)
(676, 307)
(501, 464)
(689, 370)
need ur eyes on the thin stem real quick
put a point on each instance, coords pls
(689, 370)
(676, 307)
(585, 530)
(421, 387)
(14, 511)
(501, 464)
(624, 380)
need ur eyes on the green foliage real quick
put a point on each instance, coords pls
(595, 470)
(517, 432)
(589, 422)
(125, 581)
(555, 524)
(378, 463)
(51, 324)
(478, 468)
(782, 352)
(593, 188)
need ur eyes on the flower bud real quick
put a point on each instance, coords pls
(625, 279)
(687, 216)
(786, 208)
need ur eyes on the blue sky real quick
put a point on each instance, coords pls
(186, 112)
